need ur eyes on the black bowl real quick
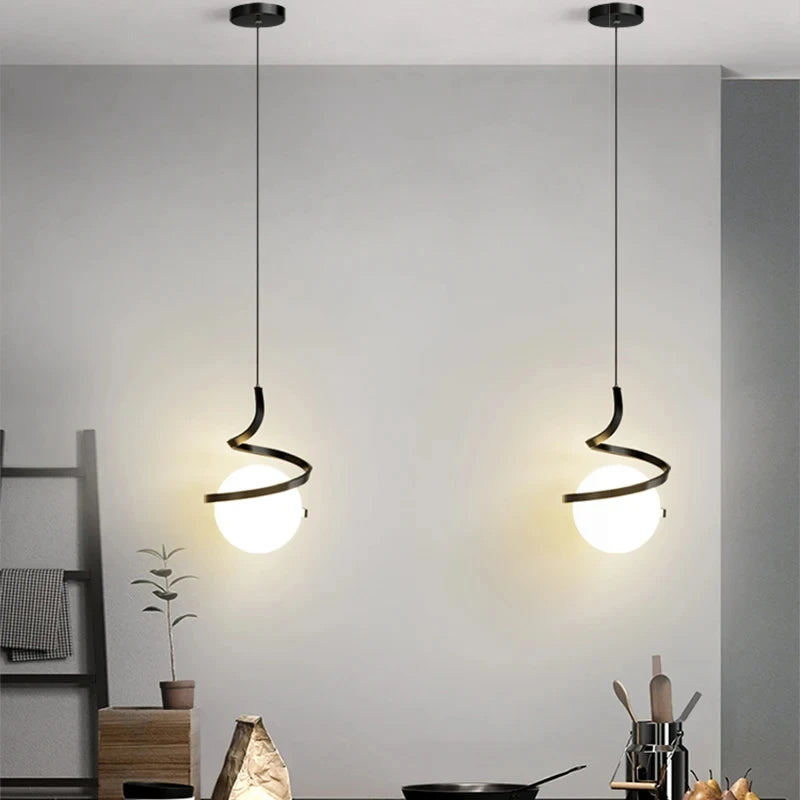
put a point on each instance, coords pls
(487, 791)
(133, 790)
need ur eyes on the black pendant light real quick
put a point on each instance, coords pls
(629, 521)
(255, 517)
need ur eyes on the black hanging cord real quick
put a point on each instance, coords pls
(258, 204)
(616, 207)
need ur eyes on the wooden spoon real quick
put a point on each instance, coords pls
(622, 693)
(661, 699)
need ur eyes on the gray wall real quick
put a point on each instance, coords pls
(760, 446)
(436, 336)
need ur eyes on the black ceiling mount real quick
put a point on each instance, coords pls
(616, 15)
(258, 15)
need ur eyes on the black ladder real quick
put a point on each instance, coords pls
(95, 681)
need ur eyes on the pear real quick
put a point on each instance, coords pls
(702, 791)
(714, 785)
(728, 795)
(741, 787)
(751, 796)
(688, 794)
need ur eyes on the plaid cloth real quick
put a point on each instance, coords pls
(34, 614)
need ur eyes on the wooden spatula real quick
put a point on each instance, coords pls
(657, 666)
(661, 699)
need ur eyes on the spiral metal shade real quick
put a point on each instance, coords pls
(239, 443)
(597, 442)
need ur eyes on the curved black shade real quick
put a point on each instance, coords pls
(597, 443)
(238, 443)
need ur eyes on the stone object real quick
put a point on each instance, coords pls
(253, 768)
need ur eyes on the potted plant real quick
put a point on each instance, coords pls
(174, 693)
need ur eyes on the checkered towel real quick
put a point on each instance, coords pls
(34, 614)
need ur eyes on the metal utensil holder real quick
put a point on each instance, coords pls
(656, 762)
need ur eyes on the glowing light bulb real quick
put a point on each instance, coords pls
(619, 524)
(260, 524)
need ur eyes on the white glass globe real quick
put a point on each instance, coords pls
(619, 524)
(260, 524)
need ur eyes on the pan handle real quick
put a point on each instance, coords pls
(531, 787)
(634, 785)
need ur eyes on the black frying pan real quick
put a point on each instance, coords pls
(487, 791)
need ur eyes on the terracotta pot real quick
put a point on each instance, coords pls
(177, 694)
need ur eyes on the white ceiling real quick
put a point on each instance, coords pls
(756, 38)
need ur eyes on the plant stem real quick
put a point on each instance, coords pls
(169, 631)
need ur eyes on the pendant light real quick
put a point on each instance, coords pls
(258, 507)
(617, 508)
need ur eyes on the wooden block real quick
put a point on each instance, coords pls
(147, 744)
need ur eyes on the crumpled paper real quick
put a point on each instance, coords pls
(253, 768)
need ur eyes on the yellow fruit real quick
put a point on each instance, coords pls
(715, 787)
(751, 796)
(702, 791)
(740, 788)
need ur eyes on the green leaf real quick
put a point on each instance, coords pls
(150, 552)
(172, 552)
(183, 578)
(154, 608)
(182, 616)
(162, 595)
(163, 552)
(162, 573)
(144, 580)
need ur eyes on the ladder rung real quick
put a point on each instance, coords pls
(77, 575)
(19, 783)
(41, 793)
(42, 472)
(43, 678)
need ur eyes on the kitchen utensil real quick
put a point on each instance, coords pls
(656, 763)
(622, 693)
(689, 707)
(487, 791)
(661, 699)
(656, 665)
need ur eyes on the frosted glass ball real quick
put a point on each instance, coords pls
(618, 524)
(258, 524)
